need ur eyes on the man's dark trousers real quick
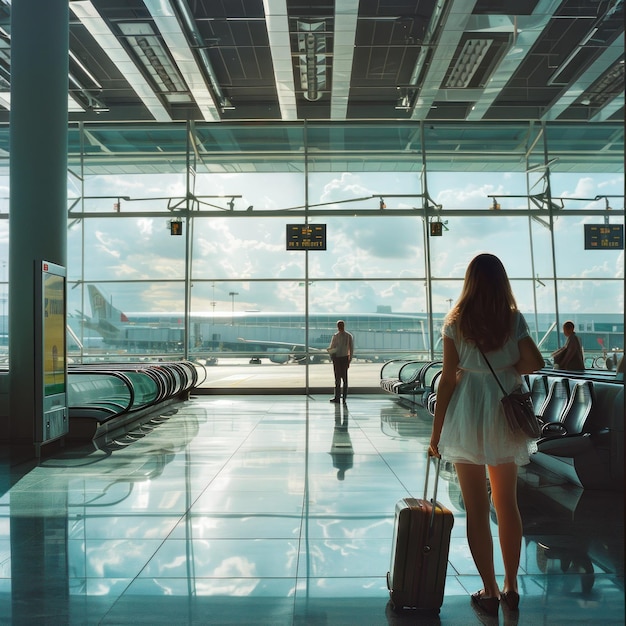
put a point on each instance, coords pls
(340, 367)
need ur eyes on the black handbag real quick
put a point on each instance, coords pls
(518, 408)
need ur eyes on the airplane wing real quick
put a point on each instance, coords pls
(283, 352)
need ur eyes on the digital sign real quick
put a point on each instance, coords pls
(436, 229)
(50, 352)
(54, 333)
(306, 236)
(604, 236)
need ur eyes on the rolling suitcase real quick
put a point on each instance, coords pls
(419, 557)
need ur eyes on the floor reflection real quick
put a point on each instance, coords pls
(276, 510)
(341, 449)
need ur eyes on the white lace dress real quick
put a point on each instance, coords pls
(475, 429)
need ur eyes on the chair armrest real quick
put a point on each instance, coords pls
(553, 428)
(566, 445)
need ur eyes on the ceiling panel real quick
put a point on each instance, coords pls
(340, 60)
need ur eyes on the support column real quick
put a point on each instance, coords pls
(38, 179)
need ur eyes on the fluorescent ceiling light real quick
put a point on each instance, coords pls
(147, 46)
(169, 26)
(469, 60)
(100, 31)
(526, 30)
(445, 29)
(312, 59)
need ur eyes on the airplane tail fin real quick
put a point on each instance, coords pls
(103, 310)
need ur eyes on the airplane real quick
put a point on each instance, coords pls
(280, 337)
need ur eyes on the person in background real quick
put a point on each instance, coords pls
(340, 349)
(570, 356)
(469, 427)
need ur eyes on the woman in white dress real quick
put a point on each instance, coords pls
(469, 427)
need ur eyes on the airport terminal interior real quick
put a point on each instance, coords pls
(209, 187)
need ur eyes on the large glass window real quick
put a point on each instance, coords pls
(177, 239)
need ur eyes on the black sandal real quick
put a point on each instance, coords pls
(486, 605)
(510, 599)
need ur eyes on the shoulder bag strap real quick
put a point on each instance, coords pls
(492, 371)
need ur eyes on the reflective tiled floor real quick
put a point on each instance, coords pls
(276, 510)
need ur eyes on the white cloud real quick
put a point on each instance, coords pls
(145, 226)
(107, 244)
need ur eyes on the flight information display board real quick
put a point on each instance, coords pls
(306, 236)
(604, 236)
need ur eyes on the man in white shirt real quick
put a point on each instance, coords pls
(340, 349)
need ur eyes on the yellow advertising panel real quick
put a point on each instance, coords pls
(54, 335)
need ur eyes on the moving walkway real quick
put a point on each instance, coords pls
(104, 399)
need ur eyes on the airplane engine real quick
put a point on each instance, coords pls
(278, 356)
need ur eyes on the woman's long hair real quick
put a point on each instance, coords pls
(483, 312)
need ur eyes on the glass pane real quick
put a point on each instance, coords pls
(370, 247)
(364, 191)
(363, 147)
(597, 147)
(129, 248)
(127, 320)
(249, 192)
(150, 193)
(387, 318)
(251, 248)
(267, 147)
(506, 237)
(128, 149)
(461, 147)
(247, 333)
(478, 190)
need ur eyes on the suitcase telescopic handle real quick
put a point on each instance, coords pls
(433, 500)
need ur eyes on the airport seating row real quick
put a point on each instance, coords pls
(411, 380)
(104, 397)
(582, 417)
(582, 420)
